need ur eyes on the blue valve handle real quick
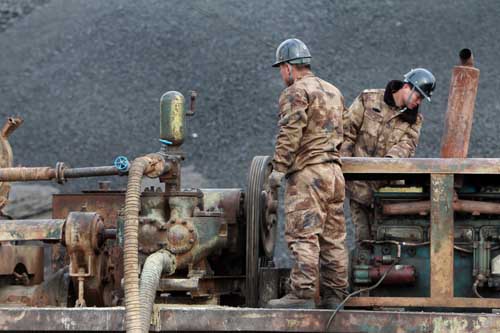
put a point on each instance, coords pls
(165, 142)
(121, 163)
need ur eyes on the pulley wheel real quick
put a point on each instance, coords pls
(261, 206)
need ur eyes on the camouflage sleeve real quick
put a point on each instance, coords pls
(293, 119)
(352, 119)
(408, 142)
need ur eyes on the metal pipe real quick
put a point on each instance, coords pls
(159, 262)
(466, 58)
(401, 274)
(424, 207)
(398, 245)
(476, 207)
(59, 173)
(92, 172)
(7, 157)
(27, 174)
(10, 126)
(459, 115)
(407, 208)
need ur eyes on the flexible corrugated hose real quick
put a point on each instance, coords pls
(156, 264)
(152, 163)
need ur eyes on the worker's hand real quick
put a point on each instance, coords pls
(275, 178)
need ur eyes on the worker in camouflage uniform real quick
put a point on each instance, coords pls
(307, 154)
(383, 123)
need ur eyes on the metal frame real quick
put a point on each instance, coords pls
(247, 319)
(186, 318)
(441, 173)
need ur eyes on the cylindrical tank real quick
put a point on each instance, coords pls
(172, 117)
(461, 99)
(399, 274)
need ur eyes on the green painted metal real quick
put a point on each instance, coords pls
(361, 274)
(469, 229)
(24, 230)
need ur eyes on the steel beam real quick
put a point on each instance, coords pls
(420, 302)
(441, 236)
(380, 166)
(248, 319)
(24, 230)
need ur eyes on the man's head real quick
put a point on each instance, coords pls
(292, 57)
(418, 84)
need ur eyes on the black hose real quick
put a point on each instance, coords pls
(356, 293)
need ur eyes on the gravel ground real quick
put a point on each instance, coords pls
(87, 75)
(13, 10)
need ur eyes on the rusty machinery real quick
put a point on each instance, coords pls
(439, 235)
(440, 232)
(195, 246)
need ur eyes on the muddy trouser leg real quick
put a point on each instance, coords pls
(333, 253)
(305, 212)
(361, 218)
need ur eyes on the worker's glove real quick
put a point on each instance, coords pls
(275, 178)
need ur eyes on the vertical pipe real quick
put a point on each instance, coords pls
(461, 99)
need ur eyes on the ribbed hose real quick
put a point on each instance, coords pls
(156, 264)
(139, 167)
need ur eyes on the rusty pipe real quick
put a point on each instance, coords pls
(10, 126)
(466, 57)
(151, 165)
(6, 154)
(407, 208)
(60, 173)
(401, 274)
(460, 112)
(424, 207)
(22, 174)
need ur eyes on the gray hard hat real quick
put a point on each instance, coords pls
(292, 51)
(423, 80)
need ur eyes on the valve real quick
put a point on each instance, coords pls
(121, 163)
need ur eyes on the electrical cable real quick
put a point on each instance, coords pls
(356, 293)
(474, 288)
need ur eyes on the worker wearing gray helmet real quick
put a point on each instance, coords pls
(310, 133)
(383, 123)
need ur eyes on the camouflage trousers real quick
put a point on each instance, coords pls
(361, 216)
(315, 229)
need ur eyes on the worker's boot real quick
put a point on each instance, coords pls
(290, 301)
(332, 298)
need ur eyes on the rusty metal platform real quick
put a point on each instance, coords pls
(248, 319)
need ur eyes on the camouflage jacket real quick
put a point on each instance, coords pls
(310, 125)
(373, 128)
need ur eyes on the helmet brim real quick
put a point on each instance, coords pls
(426, 96)
(294, 61)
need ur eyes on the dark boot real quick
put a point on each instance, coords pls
(290, 301)
(332, 298)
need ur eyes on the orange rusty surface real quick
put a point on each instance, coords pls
(441, 236)
(380, 165)
(423, 207)
(107, 205)
(24, 230)
(448, 302)
(460, 113)
(31, 256)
